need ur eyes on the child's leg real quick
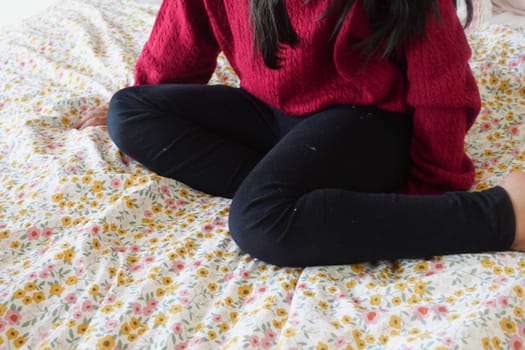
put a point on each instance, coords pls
(209, 137)
(304, 203)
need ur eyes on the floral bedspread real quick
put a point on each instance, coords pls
(98, 253)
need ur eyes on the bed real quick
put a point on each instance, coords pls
(97, 252)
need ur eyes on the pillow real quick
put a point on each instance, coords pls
(482, 12)
(514, 6)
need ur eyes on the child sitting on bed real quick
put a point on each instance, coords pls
(345, 140)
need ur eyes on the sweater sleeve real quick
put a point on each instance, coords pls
(446, 101)
(181, 47)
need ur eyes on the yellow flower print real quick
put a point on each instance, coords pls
(39, 297)
(375, 300)
(234, 316)
(414, 299)
(4, 234)
(125, 328)
(82, 328)
(508, 326)
(12, 333)
(19, 342)
(421, 287)
(504, 85)
(66, 221)
(400, 286)
(351, 284)
(277, 324)
(496, 342)
(27, 300)
(15, 245)
(289, 332)
(486, 343)
(68, 255)
(323, 305)
(19, 294)
(244, 291)
(395, 322)
(518, 290)
(71, 280)
(160, 292)
(356, 333)
(522, 91)
(202, 272)
(422, 266)
(94, 290)
(132, 337)
(106, 343)
(3, 309)
(97, 186)
(370, 339)
(321, 346)
(383, 339)
(396, 301)
(281, 312)
(160, 319)
(56, 289)
(212, 335)
(518, 312)
(57, 197)
(95, 243)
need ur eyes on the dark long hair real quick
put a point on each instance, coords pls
(394, 22)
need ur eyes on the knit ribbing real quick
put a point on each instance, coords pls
(434, 83)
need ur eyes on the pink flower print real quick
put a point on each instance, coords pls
(181, 202)
(135, 248)
(370, 317)
(170, 203)
(115, 183)
(421, 312)
(137, 308)
(177, 328)
(43, 274)
(217, 318)
(501, 280)
(219, 223)
(503, 301)
(515, 152)
(289, 298)
(185, 292)
(165, 189)
(147, 311)
(184, 301)
(197, 263)
(13, 317)
(516, 343)
(33, 233)
(340, 341)
(152, 303)
(270, 334)
(47, 232)
(267, 343)
(87, 306)
(79, 271)
(148, 214)
(490, 302)
(342, 296)
(447, 341)
(111, 298)
(440, 310)
(438, 266)
(228, 276)
(254, 341)
(207, 228)
(485, 126)
(95, 230)
(32, 275)
(514, 130)
(521, 329)
(182, 346)
(178, 266)
(245, 274)
(149, 259)
(261, 290)
(111, 324)
(2, 325)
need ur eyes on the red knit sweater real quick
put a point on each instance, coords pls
(434, 83)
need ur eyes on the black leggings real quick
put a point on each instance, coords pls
(314, 190)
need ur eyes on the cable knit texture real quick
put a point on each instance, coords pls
(432, 80)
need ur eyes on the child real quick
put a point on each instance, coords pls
(345, 141)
